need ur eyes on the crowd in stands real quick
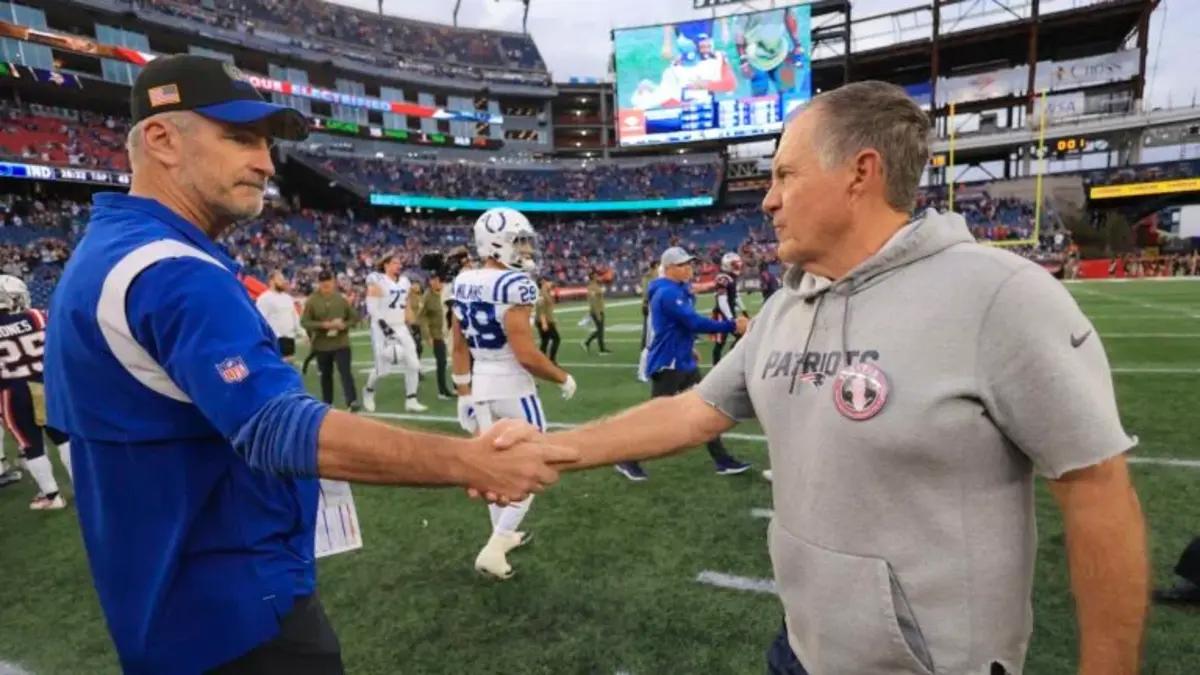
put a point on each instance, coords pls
(991, 218)
(305, 242)
(368, 36)
(50, 135)
(470, 180)
(36, 238)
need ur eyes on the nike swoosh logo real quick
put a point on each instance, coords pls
(1076, 341)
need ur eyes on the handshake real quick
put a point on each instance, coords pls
(741, 325)
(512, 460)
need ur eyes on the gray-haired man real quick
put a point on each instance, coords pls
(911, 383)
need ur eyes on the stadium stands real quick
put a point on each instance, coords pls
(60, 136)
(346, 31)
(580, 182)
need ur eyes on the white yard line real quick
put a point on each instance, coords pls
(1189, 313)
(762, 513)
(1148, 336)
(736, 583)
(7, 668)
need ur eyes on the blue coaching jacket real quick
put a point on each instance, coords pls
(674, 325)
(171, 387)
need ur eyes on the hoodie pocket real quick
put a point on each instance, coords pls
(846, 613)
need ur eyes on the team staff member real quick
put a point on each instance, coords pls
(195, 467)
(433, 328)
(543, 316)
(911, 383)
(671, 362)
(278, 307)
(329, 316)
(595, 294)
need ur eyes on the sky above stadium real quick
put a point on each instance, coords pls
(573, 35)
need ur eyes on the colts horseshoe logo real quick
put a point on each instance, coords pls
(860, 391)
(492, 226)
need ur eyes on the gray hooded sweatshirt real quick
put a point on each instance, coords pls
(907, 406)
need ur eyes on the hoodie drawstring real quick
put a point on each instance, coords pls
(812, 328)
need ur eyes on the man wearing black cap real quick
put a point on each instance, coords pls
(329, 316)
(195, 447)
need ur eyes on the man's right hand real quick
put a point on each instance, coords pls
(388, 331)
(512, 460)
(741, 325)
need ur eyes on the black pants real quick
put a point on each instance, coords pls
(306, 645)
(598, 333)
(1188, 566)
(671, 382)
(645, 324)
(325, 363)
(287, 346)
(19, 415)
(781, 660)
(550, 341)
(722, 341)
(416, 333)
(439, 355)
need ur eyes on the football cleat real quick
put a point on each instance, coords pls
(10, 477)
(44, 503)
(369, 400)
(730, 466)
(515, 540)
(633, 471)
(492, 562)
(413, 405)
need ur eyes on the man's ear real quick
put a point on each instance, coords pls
(866, 167)
(163, 141)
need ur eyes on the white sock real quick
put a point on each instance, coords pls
(64, 455)
(372, 378)
(512, 515)
(412, 378)
(494, 511)
(43, 474)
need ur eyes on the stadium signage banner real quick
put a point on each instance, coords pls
(1122, 65)
(63, 173)
(89, 47)
(1158, 187)
(423, 202)
(344, 128)
(22, 72)
(721, 77)
(983, 86)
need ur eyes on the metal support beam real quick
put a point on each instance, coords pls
(935, 57)
(1032, 59)
(846, 46)
(1143, 45)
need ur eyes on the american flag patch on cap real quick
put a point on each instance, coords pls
(167, 94)
(233, 370)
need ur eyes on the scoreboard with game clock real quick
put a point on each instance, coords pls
(728, 77)
(726, 118)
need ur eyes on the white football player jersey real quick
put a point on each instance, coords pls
(395, 297)
(482, 297)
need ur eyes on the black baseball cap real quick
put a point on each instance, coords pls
(213, 88)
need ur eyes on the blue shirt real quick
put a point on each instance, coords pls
(674, 325)
(172, 389)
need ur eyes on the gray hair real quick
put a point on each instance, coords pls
(133, 142)
(880, 116)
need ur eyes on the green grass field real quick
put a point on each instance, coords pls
(609, 585)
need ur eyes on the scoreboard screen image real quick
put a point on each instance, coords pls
(726, 77)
